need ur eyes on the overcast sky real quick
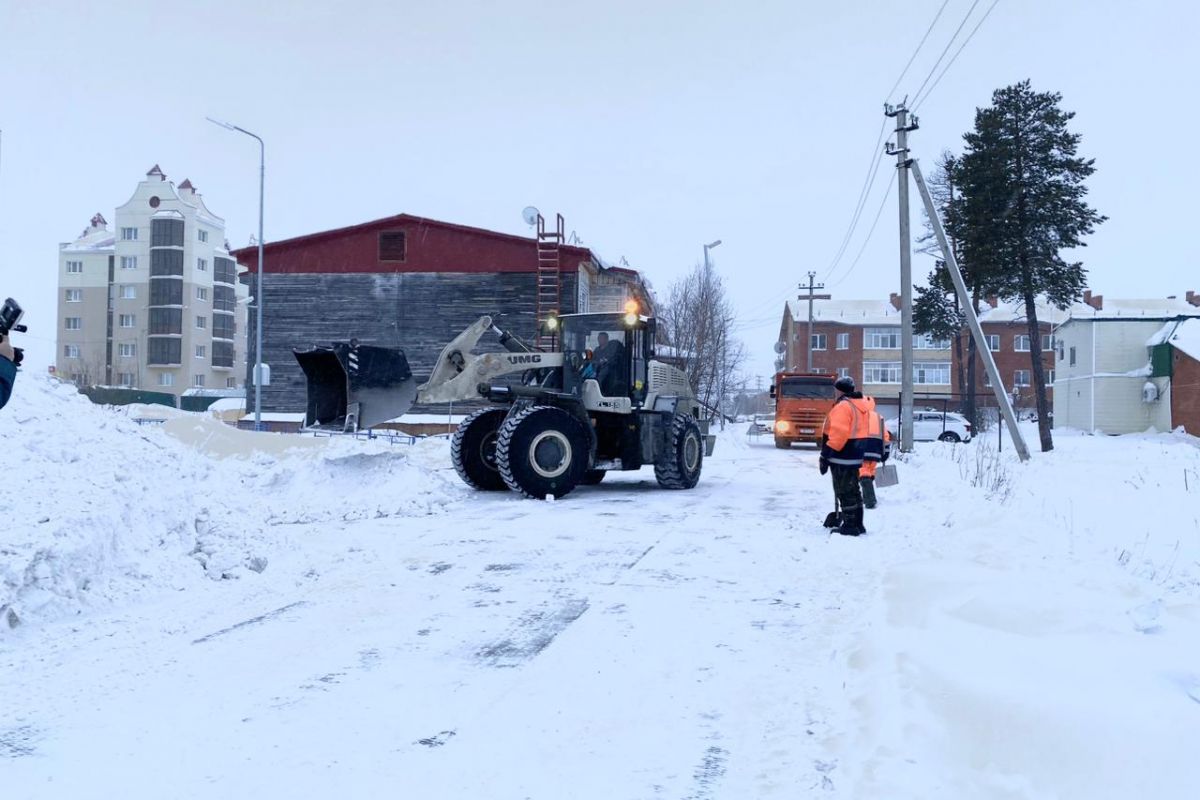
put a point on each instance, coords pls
(652, 126)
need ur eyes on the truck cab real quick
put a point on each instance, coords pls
(802, 401)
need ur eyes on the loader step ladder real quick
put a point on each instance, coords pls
(549, 279)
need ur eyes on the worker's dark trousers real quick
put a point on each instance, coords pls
(845, 486)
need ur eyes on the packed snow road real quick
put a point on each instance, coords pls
(348, 620)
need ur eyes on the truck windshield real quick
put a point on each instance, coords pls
(806, 388)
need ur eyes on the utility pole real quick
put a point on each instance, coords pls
(810, 297)
(900, 151)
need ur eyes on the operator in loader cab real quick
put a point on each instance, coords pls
(851, 436)
(610, 365)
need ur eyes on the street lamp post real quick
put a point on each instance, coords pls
(258, 286)
(721, 353)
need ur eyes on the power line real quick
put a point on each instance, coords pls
(868, 182)
(870, 232)
(953, 58)
(946, 49)
(913, 57)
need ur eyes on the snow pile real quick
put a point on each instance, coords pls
(96, 507)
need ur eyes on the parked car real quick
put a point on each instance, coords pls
(930, 425)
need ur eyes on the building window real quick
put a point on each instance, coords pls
(1072, 356)
(166, 379)
(843, 372)
(843, 341)
(224, 298)
(818, 341)
(166, 320)
(224, 270)
(127, 320)
(883, 339)
(1021, 343)
(881, 371)
(201, 293)
(74, 266)
(392, 246)
(128, 262)
(202, 234)
(163, 351)
(1047, 342)
(202, 264)
(926, 342)
(127, 350)
(231, 383)
(222, 354)
(932, 373)
(70, 351)
(166, 233)
(74, 295)
(73, 323)
(987, 379)
(200, 351)
(1021, 377)
(198, 381)
(125, 379)
(129, 234)
(1049, 377)
(128, 292)
(993, 340)
(223, 326)
(201, 323)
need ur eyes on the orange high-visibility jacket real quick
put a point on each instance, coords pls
(853, 432)
(868, 468)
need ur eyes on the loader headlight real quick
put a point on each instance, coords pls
(631, 307)
(551, 323)
(631, 319)
(782, 426)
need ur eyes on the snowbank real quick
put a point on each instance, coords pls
(96, 507)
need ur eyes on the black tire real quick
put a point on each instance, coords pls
(950, 436)
(679, 467)
(542, 450)
(593, 476)
(783, 444)
(473, 450)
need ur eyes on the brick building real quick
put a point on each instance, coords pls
(416, 283)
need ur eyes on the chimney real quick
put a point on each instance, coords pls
(99, 222)
(1095, 301)
(1192, 298)
(992, 300)
(895, 300)
(187, 187)
(156, 172)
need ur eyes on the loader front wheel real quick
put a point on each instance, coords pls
(473, 450)
(542, 450)
(679, 466)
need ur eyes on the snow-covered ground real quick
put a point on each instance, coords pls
(187, 610)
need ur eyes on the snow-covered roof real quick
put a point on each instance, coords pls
(95, 237)
(1137, 308)
(850, 312)
(229, 404)
(1181, 334)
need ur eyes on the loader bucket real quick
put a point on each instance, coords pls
(355, 387)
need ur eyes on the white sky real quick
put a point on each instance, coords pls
(653, 127)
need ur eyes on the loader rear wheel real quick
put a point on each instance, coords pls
(542, 450)
(473, 450)
(679, 466)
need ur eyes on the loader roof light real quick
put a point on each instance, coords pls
(631, 307)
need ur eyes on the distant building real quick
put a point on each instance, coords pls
(416, 283)
(153, 304)
(1125, 366)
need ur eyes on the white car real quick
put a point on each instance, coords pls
(930, 425)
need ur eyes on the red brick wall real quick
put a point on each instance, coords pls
(1185, 392)
(830, 359)
(1008, 360)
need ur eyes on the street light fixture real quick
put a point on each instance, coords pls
(721, 387)
(258, 287)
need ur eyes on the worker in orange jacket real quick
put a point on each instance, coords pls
(851, 436)
(866, 473)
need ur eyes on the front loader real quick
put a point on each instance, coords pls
(599, 401)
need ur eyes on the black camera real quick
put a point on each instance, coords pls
(10, 316)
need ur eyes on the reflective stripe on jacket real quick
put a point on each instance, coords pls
(853, 432)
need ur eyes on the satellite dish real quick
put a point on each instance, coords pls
(780, 347)
(530, 215)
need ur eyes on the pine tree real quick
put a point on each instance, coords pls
(1022, 203)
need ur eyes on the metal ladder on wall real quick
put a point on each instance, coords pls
(549, 278)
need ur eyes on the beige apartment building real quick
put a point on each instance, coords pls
(155, 303)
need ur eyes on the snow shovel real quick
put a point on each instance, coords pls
(834, 518)
(886, 476)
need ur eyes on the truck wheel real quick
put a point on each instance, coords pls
(542, 451)
(679, 466)
(593, 476)
(473, 450)
(783, 444)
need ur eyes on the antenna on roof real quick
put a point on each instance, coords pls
(530, 215)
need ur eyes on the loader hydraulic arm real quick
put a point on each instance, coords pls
(459, 372)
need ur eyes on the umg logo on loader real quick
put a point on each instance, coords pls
(532, 358)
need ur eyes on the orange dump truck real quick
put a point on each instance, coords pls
(802, 400)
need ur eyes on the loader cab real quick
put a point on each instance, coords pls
(612, 349)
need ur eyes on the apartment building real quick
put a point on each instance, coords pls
(155, 303)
